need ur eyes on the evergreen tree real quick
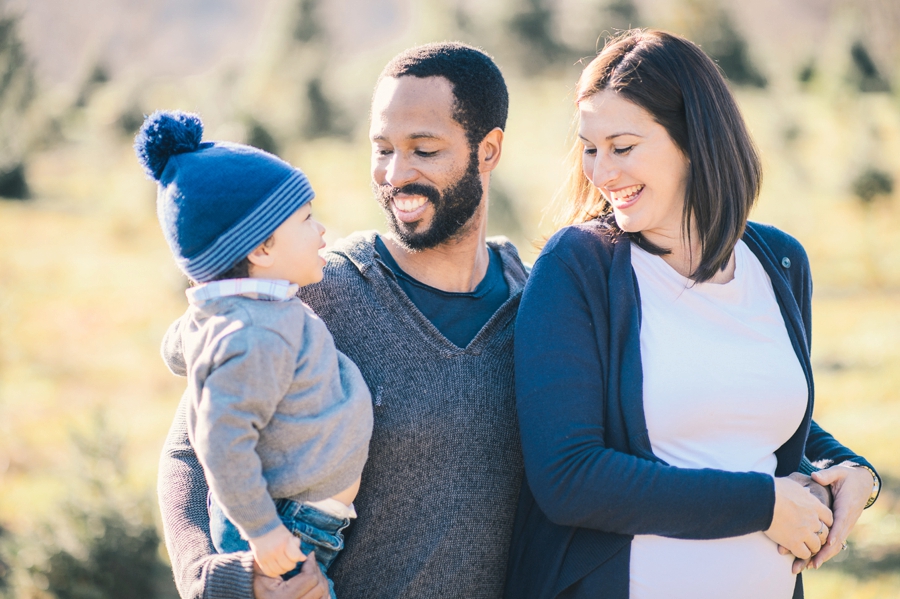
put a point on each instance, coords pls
(17, 90)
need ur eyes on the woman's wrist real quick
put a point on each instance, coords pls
(876, 483)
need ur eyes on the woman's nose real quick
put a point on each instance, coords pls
(604, 172)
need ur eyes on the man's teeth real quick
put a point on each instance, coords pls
(627, 193)
(409, 205)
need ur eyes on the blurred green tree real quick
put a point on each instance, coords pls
(104, 544)
(622, 14)
(17, 91)
(258, 136)
(872, 183)
(5, 566)
(97, 76)
(533, 29)
(729, 49)
(863, 72)
(324, 117)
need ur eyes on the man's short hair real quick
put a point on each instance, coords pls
(480, 94)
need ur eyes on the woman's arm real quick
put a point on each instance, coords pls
(563, 335)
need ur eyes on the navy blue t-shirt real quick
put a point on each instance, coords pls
(458, 316)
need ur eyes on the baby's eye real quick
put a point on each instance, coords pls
(622, 151)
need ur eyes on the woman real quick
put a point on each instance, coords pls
(663, 379)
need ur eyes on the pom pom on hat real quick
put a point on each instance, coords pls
(164, 134)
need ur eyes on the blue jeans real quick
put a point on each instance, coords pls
(318, 531)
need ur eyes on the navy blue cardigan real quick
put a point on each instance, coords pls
(592, 481)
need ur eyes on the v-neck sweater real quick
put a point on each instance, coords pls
(592, 478)
(459, 316)
(438, 493)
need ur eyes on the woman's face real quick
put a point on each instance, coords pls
(633, 161)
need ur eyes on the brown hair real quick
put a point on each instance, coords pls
(684, 91)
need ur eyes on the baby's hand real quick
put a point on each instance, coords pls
(277, 551)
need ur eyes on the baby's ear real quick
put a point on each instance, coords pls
(262, 256)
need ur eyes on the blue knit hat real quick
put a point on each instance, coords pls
(217, 201)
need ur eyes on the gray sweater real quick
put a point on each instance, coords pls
(439, 490)
(274, 410)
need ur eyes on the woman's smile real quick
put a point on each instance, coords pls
(624, 197)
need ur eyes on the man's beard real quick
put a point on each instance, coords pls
(453, 208)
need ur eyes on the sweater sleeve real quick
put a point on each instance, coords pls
(240, 383)
(172, 349)
(200, 573)
(563, 340)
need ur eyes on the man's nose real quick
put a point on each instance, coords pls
(399, 172)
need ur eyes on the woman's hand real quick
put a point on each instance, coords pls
(798, 519)
(852, 487)
(310, 583)
(820, 492)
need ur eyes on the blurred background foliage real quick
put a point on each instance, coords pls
(87, 286)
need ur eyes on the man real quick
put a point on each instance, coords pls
(427, 313)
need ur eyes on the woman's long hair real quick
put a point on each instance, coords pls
(683, 90)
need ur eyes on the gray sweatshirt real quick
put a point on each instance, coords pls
(274, 410)
(439, 491)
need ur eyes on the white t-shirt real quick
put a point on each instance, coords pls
(723, 389)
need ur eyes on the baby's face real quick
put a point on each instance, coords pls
(295, 248)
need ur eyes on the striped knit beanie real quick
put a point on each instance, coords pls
(217, 201)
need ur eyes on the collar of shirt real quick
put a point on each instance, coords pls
(262, 289)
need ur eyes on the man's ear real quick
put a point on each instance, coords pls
(261, 257)
(489, 150)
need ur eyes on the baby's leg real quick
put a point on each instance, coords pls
(226, 537)
(319, 532)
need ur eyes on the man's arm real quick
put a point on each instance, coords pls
(200, 573)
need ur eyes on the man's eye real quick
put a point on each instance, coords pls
(383, 152)
(425, 154)
(622, 151)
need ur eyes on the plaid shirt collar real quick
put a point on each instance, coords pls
(262, 289)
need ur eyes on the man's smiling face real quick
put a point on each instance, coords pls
(424, 171)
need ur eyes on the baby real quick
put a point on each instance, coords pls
(279, 419)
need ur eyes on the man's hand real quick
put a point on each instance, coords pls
(277, 551)
(310, 583)
(798, 519)
(852, 487)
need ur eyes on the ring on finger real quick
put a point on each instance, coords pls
(822, 529)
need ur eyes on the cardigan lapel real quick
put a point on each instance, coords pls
(625, 320)
(791, 453)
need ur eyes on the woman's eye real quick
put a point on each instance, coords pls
(590, 151)
(622, 151)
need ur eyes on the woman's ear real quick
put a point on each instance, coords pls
(489, 150)
(261, 257)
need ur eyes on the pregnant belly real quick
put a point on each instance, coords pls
(747, 567)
